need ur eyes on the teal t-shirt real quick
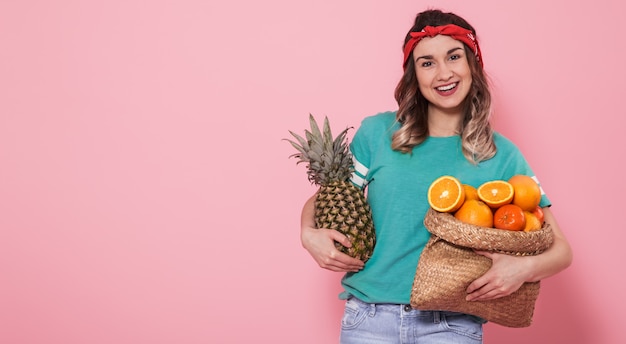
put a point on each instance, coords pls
(396, 185)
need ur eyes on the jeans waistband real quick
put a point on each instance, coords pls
(401, 308)
(408, 310)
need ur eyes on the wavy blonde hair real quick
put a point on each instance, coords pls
(475, 129)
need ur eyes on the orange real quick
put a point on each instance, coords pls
(539, 213)
(470, 192)
(510, 217)
(496, 193)
(476, 213)
(527, 192)
(446, 194)
(532, 222)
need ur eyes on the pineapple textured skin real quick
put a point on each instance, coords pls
(343, 207)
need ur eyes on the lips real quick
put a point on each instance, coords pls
(447, 88)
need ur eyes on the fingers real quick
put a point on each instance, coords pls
(340, 238)
(339, 259)
(484, 253)
(321, 245)
(489, 287)
(477, 288)
(482, 290)
(484, 296)
(340, 262)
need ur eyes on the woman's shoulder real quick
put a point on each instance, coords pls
(381, 120)
(503, 143)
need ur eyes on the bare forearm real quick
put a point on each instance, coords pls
(320, 242)
(508, 273)
(307, 219)
(555, 259)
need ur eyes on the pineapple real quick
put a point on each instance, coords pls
(339, 204)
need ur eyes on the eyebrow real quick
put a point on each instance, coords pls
(430, 57)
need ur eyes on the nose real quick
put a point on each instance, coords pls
(445, 72)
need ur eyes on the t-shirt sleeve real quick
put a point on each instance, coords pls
(519, 165)
(361, 154)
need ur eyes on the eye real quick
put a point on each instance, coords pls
(455, 57)
(426, 64)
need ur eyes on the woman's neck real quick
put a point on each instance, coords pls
(443, 123)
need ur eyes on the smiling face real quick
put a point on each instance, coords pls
(443, 73)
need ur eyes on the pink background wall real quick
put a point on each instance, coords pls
(146, 195)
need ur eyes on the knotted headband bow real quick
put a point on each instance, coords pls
(454, 31)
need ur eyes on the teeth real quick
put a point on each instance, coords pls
(447, 87)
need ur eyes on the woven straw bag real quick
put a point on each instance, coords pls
(448, 264)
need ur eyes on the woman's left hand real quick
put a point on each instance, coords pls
(508, 272)
(506, 275)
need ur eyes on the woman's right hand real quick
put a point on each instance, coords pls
(320, 242)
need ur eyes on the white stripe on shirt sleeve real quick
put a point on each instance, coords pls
(356, 180)
(536, 181)
(359, 168)
(360, 171)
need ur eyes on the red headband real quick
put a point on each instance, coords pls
(454, 31)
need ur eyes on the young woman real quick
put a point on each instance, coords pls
(441, 127)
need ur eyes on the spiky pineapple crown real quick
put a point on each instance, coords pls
(328, 159)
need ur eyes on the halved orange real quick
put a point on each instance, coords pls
(446, 194)
(496, 193)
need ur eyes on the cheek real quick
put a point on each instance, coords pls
(466, 73)
(426, 91)
(423, 81)
(466, 77)
(468, 81)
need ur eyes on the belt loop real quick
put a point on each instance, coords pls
(372, 309)
(436, 317)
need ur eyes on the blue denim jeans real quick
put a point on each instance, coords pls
(365, 323)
